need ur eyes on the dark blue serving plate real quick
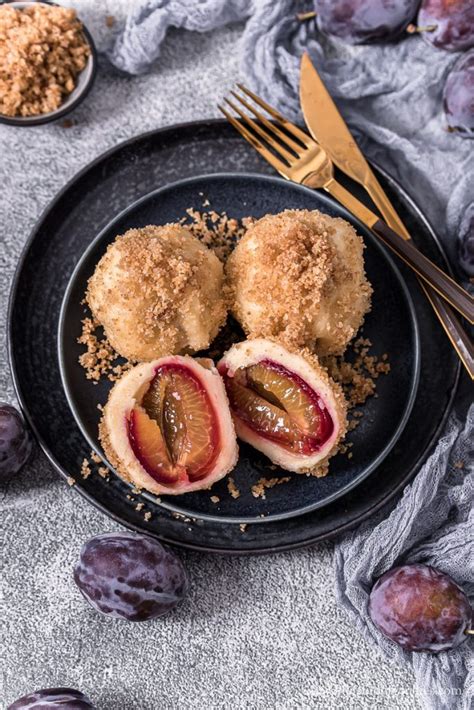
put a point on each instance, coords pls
(391, 325)
(67, 228)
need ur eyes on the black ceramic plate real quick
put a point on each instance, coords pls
(391, 326)
(68, 226)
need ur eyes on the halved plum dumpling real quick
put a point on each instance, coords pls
(284, 403)
(167, 426)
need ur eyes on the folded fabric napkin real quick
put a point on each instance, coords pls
(391, 97)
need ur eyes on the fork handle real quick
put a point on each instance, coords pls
(429, 272)
(449, 320)
(458, 336)
(406, 250)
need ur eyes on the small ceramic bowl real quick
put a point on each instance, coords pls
(84, 84)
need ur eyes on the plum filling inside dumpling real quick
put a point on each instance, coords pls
(167, 426)
(283, 403)
(175, 432)
(279, 405)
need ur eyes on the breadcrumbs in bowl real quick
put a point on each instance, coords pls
(47, 62)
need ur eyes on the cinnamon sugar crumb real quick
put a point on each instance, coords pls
(42, 51)
(70, 481)
(85, 469)
(258, 490)
(216, 230)
(215, 499)
(358, 377)
(232, 488)
(147, 516)
(100, 358)
(139, 506)
(243, 527)
(458, 464)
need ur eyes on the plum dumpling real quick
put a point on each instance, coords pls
(167, 426)
(284, 404)
(299, 276)
(158, 291)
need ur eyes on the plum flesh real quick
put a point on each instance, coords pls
(280, 406)
(174, 433)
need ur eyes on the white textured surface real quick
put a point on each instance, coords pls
(254, 632)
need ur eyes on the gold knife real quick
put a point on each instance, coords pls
(328, 128)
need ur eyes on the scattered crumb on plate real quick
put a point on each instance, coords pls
(258, 490)
(232, 488)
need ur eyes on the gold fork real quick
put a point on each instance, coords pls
(304, 161)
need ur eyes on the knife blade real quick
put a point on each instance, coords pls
(328, 128)
(327, 125)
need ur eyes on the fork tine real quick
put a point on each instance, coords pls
(288, 125)
(289, 157)
(296, 147)
(255, 143)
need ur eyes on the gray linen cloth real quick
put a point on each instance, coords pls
(391, 96)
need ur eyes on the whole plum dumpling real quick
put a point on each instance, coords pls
(299, 276)
(158, 291)
(167, 426)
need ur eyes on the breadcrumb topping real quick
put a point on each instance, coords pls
(258, 490)
(100, 358)
(299, 275)
(232, 488)
(42, 50)
(157, 291)
(217, 231)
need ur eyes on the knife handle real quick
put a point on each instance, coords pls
(449, 320)
(427, 270)
(459, 338)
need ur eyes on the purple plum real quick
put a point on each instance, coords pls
(130, 576)
(420, 608)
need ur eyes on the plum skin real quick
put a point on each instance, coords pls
(15, 440)
(453, 21)
(130, 576)
(364, 21)
(458, 96)
(53, 699)
(420, 609)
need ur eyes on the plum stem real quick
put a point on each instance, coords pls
(412, 29)
(304, 16)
